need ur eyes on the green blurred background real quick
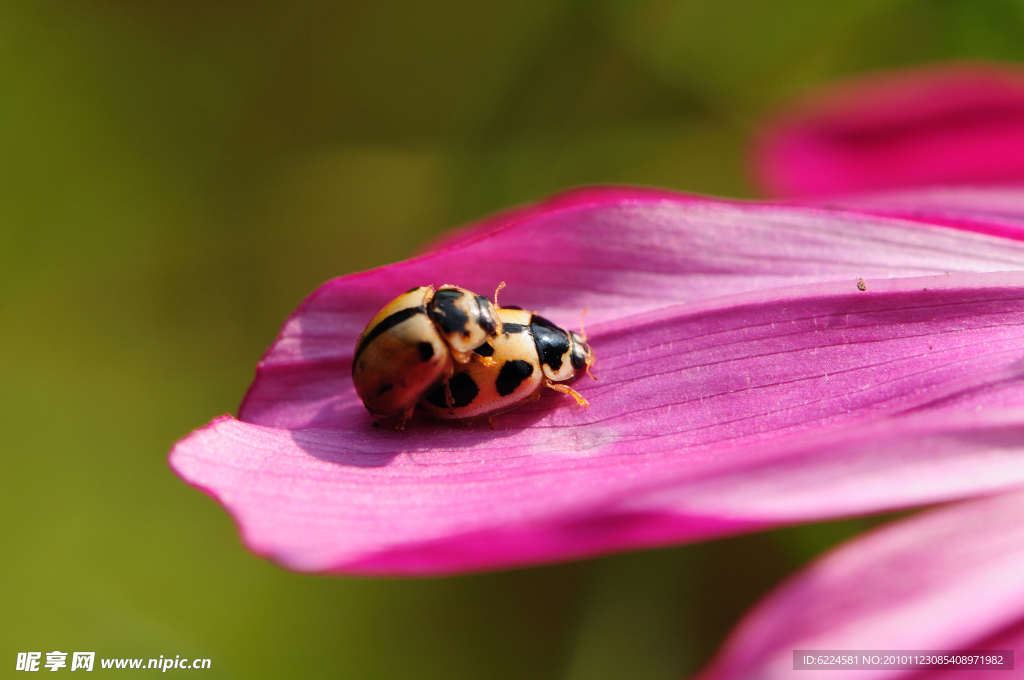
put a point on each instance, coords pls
(176, 176)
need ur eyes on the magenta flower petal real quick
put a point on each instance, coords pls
(716, 416)
(620, 253)
(938, 124)
(946, 579)
(988, 210)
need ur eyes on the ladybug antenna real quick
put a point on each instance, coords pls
(583, 336)
(500, 286)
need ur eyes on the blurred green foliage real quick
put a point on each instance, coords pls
(176, 176)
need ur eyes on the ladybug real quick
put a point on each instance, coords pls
(461, 358)
(414, 344)
(530, 353)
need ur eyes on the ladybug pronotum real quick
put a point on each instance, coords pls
(460, 358)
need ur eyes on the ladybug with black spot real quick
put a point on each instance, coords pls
(414, 343)
(530, 354)
(460, 358)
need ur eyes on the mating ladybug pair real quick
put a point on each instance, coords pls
(460, 358)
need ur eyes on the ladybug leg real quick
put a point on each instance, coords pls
(489, 362)
(462, 357)
(400, 425)
(493, 420)
(448, 398)
(570, 391)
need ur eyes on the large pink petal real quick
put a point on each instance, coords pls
(709, 418)
(619, 252)
(988, 210)
(960, 123)
(946, 579)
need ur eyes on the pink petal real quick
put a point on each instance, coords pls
(946, 579)
(709, 418)
(619, 252)
(955, 123)
(592, 196)
(988, 210)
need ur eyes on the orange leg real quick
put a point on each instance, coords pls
(570, 391)
(489, 362)
(400, 425)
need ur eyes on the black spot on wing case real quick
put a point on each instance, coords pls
(463, 390)
(512, 375)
